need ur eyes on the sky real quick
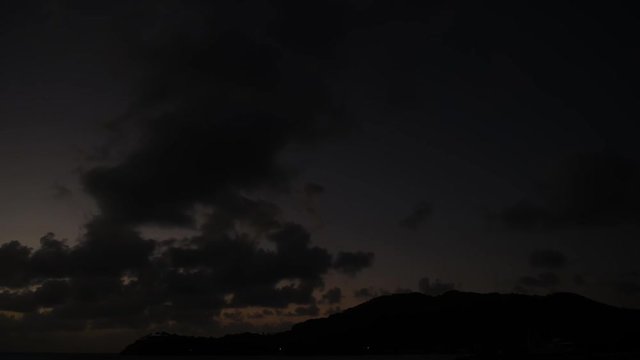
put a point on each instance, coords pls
(205, 168)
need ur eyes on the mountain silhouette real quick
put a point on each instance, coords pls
(455, 322)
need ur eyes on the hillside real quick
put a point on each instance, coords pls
(455, 322)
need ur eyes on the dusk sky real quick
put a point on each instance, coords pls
(206, 168)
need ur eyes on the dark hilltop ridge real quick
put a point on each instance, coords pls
(455, 322)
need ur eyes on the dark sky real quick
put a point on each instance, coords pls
(211, 167)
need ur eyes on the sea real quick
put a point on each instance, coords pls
(57, 356)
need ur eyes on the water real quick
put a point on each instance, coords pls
(44, 356)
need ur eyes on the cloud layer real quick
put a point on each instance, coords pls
(219, 105)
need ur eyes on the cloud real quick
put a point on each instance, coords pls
(310, 310)
(595, 189)
(437, 287)
(547, 259)
(420, 213)
(14, 264)
(256, 315)
(115, 279)
(216, 112)
(332, 310)
(352, 263)
(151, 187)
(332, 296)
(110, 249)
(364, 293)
(218, 108)
(52, 259)
(542, 280)
(17, 302)
(371, 292)
(233, 315)
(220, 104)
(312, 189)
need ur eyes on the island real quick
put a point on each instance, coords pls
(455, 323)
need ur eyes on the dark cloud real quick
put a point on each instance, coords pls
(351, 263)
(332, 296)
(228, 89)
(186, 283)
(547, 259)
(542, 280)
(312, 189)
(238, 266)
(18, 302)
(256, 315)
(148, 188)
(233, 315)
(369, 292)
(214, 117)
(110, 249)
(268, 312)
(420, 213)
(261, 314)
(219, 105)
(364, 293)
(309, 310)
(596, 189)
(332, 310)
(48, 294)
(52, 259)
(14, 264)
(579, 279)
(433, 288)
(52, 293)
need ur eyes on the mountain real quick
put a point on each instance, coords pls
(455, 322)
